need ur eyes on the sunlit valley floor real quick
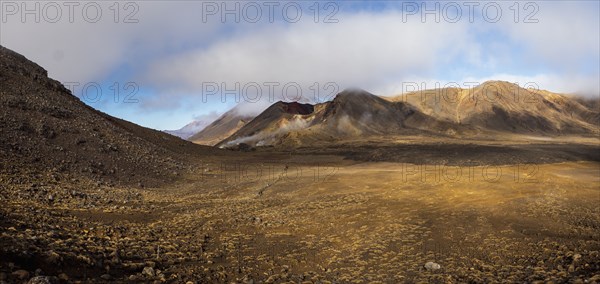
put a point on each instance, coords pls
(294, 218)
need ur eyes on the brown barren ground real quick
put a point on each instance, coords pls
(311, 217)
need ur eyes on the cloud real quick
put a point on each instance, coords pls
(363, 50)
(376, 49)
(172, 54)
(208, 117)
(565, 34)
(78, 49)
(252, 109)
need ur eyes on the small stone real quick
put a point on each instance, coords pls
(39, 280)
(63, 277)
(162, 277)
(21, 274)
(105, 276)
(148, 271)
(432, 266)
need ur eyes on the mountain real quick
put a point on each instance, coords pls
(490, 108)
(276, 120)
(226, 125)
(47, 130)
(189, 129)
(506, 107)
(351, 114)
(357, 112)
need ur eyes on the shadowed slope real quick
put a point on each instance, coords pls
(45, 128)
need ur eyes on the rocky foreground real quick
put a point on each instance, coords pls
(349, 223)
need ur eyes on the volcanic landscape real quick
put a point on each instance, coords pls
(496, 183)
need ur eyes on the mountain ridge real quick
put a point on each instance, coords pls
(493, 107)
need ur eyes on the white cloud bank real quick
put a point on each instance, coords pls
(172, 51)
(374, 50)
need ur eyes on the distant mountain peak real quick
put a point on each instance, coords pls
(189, 129)
(294, 107)
(353, 92)
(498, 83)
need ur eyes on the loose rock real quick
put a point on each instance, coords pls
(21, 274)
(148, 271)
(432, 266)
(63, 277)
(39, 280)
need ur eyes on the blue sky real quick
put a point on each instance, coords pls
(173, 51)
